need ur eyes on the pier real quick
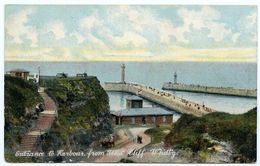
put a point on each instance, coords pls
(160, 97)
(228, 91)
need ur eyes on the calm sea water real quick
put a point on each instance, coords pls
(240, 75)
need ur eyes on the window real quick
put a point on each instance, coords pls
(133, 120)
(154, 119)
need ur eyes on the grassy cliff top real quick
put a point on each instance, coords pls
(83, 114)
(240, 130)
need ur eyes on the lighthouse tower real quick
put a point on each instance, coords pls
(175, 78)
(123, 73)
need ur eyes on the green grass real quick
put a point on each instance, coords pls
(240, 129)
(77, 121)
(157, 134)
(11, 158)
(19, 96)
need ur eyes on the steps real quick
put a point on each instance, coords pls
(28, 142)
(43, 124)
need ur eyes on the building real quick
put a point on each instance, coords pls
(142, 116)
(34, 78)
(19, 73)
(82, 75)
(134, 102)
(136, 114)
(62, 75)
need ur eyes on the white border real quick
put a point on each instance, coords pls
(109, 2)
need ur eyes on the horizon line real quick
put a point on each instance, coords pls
(142, 61)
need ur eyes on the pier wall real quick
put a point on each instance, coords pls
(212, 90)
(165, 99)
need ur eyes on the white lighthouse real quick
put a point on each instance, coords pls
(175, 78)
(123, 73)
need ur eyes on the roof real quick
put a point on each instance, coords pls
(141, 111)
(133, 97)
(19, 71)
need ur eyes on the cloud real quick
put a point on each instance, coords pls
(135, 26)
(57, 28)
(176, 54)
(247, 25)
(218, 31)
(80, 38)
(134, 31)
(208, 18)
(251, 23)
(138, 20)
(89, 22)
(16, 27)
(40, 54)
(235, 37)
(86, 25)
(130, 38)
(252, 19)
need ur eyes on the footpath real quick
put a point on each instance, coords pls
(127, 147)
(43, 123)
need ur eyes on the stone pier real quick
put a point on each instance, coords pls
(229, 91)
(163, 98)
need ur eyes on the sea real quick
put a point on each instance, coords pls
(221, 74)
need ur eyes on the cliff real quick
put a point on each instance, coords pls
(204, 134)
(21, 98)
(83, 114)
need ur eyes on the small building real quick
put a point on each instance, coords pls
(134, 102)
(19, 73)
(142, 116)
(82, 75)
(62, 75)
(34, 78)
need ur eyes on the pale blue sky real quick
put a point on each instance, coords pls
(59, 32)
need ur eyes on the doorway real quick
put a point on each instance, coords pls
(143, 120)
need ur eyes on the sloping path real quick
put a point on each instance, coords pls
(44, 123)
(127, 147)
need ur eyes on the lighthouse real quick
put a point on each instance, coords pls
(123, 73)
(175, 78)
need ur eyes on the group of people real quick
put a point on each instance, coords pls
(108, 141)
(138, 139)
(168, 95)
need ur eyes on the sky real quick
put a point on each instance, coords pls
(130, 33)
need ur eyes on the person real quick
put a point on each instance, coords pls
(139, 139)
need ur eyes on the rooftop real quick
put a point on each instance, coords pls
(133, 97)
(19, 71)
(141, 111)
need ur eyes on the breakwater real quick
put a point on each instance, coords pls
(163, 98)
(211, 90)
